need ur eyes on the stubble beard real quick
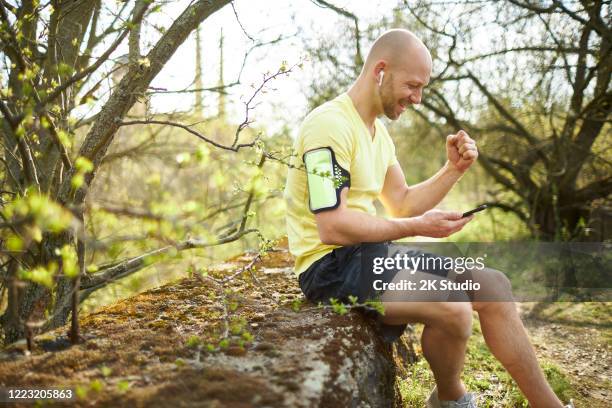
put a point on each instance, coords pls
(388, 101)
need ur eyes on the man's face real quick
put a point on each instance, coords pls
(404, 87)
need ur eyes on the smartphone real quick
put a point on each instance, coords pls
(475, 210)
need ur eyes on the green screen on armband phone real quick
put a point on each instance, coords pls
(320, 174)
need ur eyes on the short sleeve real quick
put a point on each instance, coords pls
(392, 157)
(389, 149)
(329, 130)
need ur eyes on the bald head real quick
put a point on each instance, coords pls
(395, 47)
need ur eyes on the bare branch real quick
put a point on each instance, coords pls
(502, 110)
(237, 81)
(134, 38)
(91, 41)
(529, 48)
(593, 22)
(240, 24)
(247, 105)
(188, 129)
(508, 208)
(593, 191)
(234, 275)
(497, 176)
(10, 39)
(247, 206)
(57, 141)
(127, 267)
(8, 115)
(345, 13)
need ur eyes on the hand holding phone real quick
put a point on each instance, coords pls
(475, 210)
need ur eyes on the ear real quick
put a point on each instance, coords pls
(378, 67)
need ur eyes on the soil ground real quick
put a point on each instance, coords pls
(578, 338)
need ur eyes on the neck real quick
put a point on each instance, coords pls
(365, 100)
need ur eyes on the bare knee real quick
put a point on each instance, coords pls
(501, 281)
(454, 318)
(496, 293)
(494, 286)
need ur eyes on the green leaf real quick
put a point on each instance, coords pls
(338, 307)
(96, 385)
(14, 243)
(35, 233)
(81, 392)
(106, 371)
(83, 165)
(40, 275)
(123, 386)
(91, 268)
(201, 154)
(247, 336)
(64, 139)
(193, 341)
(296, 305)
(69, 260)
(64, 69)
(377, 305)
(77, 181)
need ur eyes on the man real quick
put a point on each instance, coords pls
(345, 161)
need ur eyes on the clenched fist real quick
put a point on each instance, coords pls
(461, 150)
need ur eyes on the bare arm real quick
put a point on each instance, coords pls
(343, 226)
(402, 200)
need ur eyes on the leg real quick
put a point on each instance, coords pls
(448, 326)
(507, 339)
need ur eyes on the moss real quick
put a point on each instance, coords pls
(158, 324)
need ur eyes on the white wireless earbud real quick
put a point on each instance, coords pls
(380, 78)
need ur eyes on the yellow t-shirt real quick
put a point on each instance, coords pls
(335, 124)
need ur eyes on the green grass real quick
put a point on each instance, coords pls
(594, 314)
(484, 375)
(415, 389)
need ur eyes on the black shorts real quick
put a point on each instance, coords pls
(340, 274)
